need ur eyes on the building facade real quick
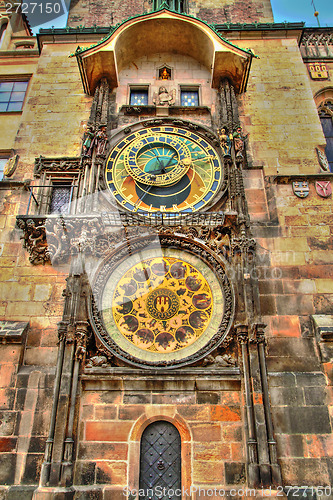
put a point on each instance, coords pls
(166, 253)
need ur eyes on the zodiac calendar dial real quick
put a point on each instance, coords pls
(160, 306)
(164, 169)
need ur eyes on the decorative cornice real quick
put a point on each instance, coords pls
(59, 164)
(55, 238)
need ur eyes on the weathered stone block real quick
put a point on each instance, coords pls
(194, 412)
(298, 471)
(212, 475)
(138, 398)
(7, 468)
(107, 431)
(204, 397)
(290, 445)
(303, 420)
(225, 414)
(235, 473)
(212, 451)
(284, 396)
(32, 468)
(107, 412)
(102, 451)
(232, 432)
(206, 432)
(111, 472)
(84, 472)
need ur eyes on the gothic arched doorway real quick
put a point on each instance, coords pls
(160, 460)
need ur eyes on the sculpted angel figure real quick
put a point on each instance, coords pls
(163, 97)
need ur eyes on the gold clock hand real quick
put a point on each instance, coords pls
(141, 198)
(209, 157)
(172, 157)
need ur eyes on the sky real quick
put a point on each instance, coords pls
(283, 10)
(302, 10)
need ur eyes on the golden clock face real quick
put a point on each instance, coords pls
(160, 307)
(164, 169)
(162, 304)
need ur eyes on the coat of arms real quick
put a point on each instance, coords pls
(318, 71)
(301, 188)
(324, 188)
(10, 166)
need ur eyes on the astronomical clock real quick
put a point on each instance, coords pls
(162, 300)
(164, 169)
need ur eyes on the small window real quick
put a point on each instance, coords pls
(3, 162)
(61, 197)
(326, 119)
(139, 97)
(12, 95)
(164, 73)
(176, 5)
(3, 28)
(189, 97)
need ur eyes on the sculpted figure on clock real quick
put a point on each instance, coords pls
(101, 140)
(239, 139)
(225, 141)
(87, 140)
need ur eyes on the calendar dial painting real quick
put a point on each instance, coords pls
(162, 304)
(164, 169)
(159, 306)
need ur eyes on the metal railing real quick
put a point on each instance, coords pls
(163, 219)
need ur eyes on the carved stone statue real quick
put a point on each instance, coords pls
(87, 140)
(164, 98)
(239, 138)
(222, 361)
(101, 140)
(225, 141)
(96, 361)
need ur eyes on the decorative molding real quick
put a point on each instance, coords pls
(34, 238)
(13, 332)
(323, 327)
(62, 164)
(55, 238)
(322, 158)
(10, 166)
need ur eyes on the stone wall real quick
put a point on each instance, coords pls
(99, 13)
(115, 409)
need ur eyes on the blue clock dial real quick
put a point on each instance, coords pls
(164, 169)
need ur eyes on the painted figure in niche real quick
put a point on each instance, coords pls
(165, 74)
(101, 140)
(87, 140)
(164, 98)
(225, 141)
(239, 138)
